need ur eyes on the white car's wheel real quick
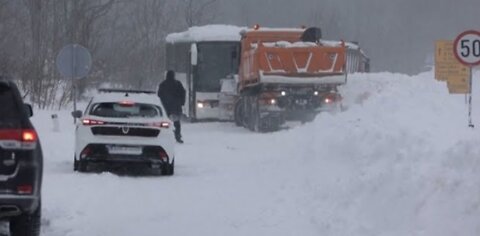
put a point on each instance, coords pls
(169, 169)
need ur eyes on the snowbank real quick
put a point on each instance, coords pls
(399, 161)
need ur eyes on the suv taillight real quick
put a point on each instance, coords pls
(18, 138)
(25, 135)
(29, 136)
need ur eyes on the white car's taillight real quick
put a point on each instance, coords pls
(163, 124)
(88, 122)
(163, 156)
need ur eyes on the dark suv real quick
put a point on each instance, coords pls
(21, 164)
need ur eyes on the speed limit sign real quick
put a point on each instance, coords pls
(467, 51)
(467, 48)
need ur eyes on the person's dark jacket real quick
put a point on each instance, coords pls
(172, 94)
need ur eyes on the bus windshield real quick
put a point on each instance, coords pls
(216, 60)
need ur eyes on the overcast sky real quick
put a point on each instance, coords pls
(397, 34)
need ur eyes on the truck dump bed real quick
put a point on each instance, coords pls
(277, 56)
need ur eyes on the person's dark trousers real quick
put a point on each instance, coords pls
(178, 130)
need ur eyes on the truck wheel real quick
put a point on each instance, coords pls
(27, 224)
(258, 125)
(273, 126)
(252, 117)
(257, 122)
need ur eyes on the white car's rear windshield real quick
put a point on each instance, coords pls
(125, 110)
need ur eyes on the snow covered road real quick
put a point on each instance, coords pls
(218, 189)
(399, 161)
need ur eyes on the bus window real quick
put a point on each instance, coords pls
(216, 61)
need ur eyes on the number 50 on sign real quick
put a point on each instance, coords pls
(467, 48)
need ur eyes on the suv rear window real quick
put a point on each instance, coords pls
(125, 110)
(11, 114)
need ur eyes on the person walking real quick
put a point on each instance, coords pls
(172, 94)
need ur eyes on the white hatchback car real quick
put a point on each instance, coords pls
(123, 129)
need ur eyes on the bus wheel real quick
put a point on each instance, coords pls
(238, 113)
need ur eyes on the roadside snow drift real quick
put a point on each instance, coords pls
(400, 160)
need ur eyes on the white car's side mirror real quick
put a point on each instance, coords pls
(77, 114)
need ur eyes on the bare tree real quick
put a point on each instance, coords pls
(140, 39)
(47, 25)
(153, 19)
(8, 58)
(199, 11)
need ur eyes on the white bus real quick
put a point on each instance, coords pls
(201, 57)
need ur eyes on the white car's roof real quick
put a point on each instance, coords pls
(126, 96)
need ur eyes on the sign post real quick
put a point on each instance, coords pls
(74, 62)
(466, 49)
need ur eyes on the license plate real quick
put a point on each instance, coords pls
(301, 102)
(125, 150)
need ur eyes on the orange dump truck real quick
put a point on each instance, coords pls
(286, 74)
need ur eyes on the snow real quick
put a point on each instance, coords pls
(285, 44)
(277, 29)
(207, 33)
(322, 79)
(400, 160)
(333, 43)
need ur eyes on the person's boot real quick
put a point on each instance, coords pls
(179, 139)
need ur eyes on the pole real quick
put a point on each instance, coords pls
(470, 124)
(74, 92)
(74, 85)
(73, 24)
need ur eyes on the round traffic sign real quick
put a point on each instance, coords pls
(467, 48)
(74, 61)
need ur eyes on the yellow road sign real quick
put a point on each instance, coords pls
(458, 88)
(447, 68)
